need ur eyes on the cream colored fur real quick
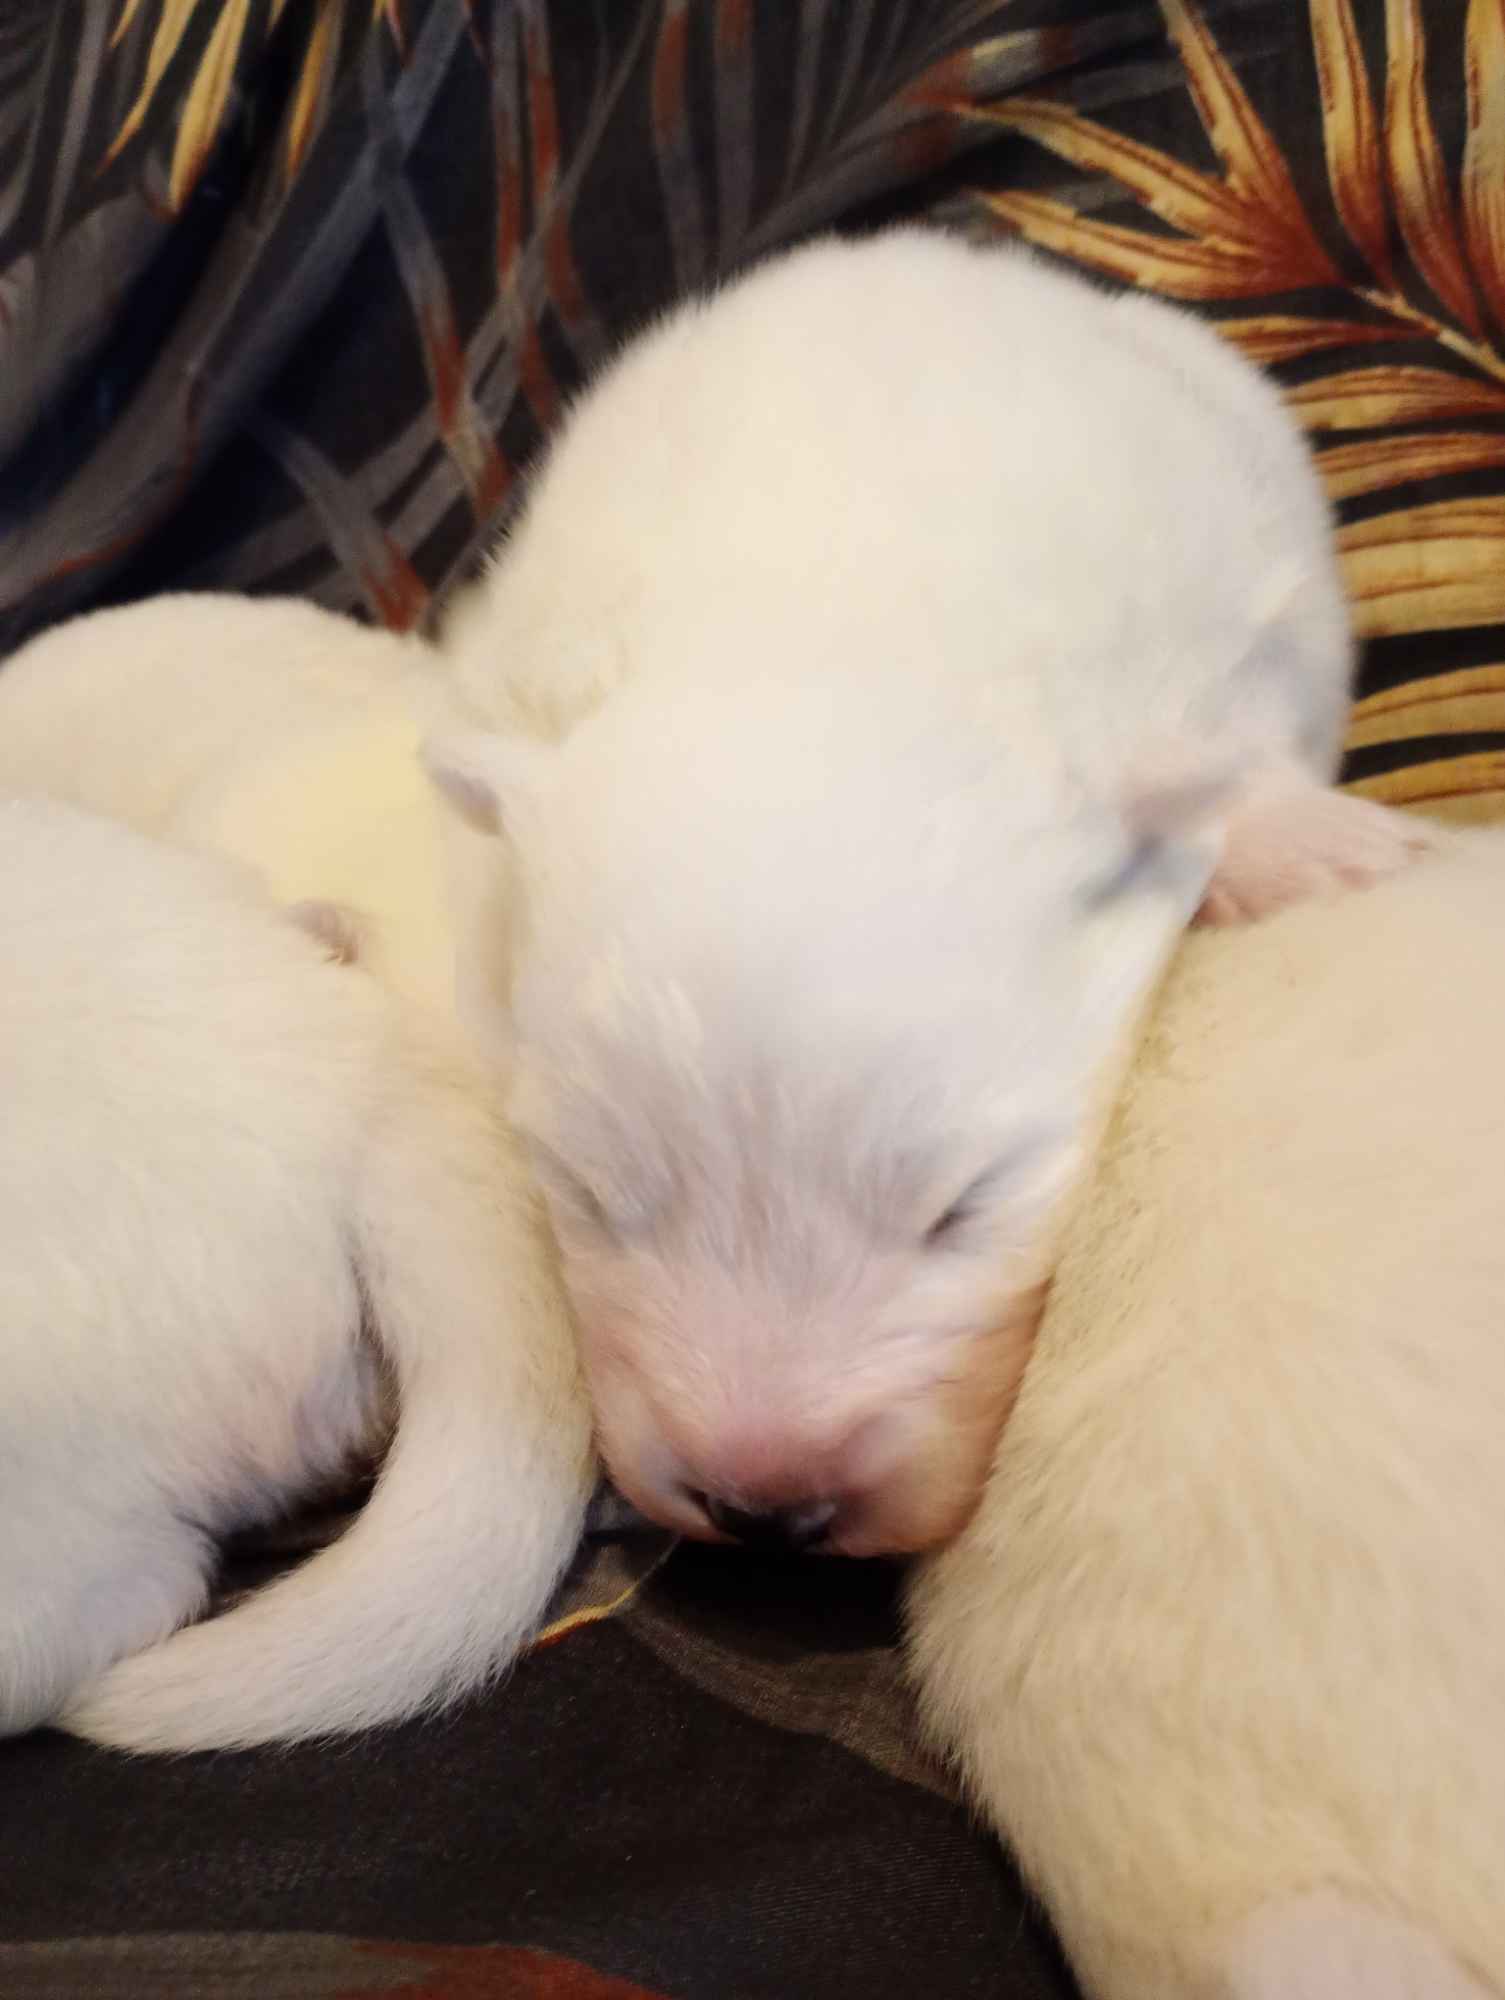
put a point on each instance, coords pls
(265, 730)
(1223, 1653)
(216, 1148)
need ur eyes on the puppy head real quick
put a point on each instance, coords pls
(810, 1006)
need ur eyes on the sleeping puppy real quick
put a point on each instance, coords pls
(218, 1153)
(1223, 1652)
(896, 652)
(264, 730)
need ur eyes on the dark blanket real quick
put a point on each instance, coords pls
(290, 290)
(713, 1790)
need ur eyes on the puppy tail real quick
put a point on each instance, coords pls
(447, 1570)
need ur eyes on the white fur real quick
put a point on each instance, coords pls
(215, 1146)
(879, 665)
(1223, 1652)
(265, 730)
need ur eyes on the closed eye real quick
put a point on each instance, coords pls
(951, 1222)
(982, 1194)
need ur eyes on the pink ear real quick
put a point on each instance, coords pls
(490, 780)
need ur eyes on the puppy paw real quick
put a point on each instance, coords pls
(1290, 839)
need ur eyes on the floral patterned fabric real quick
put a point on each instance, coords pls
(290, 291)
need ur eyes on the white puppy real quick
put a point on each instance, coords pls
(217, 1149)
(895, 652)
(1223, 1652)
(262, 729)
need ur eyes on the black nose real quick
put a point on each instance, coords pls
(783, 1528)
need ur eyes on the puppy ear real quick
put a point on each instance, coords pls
(489, 780)
(1174, 796)
(1170, 805)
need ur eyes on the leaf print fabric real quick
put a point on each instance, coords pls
(1364, 260)
(291, 291)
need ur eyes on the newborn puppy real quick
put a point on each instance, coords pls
(218, 1150)
(261, 729)
(897, 650)
(1223, 1652)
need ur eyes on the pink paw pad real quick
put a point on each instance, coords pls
(1291, 839)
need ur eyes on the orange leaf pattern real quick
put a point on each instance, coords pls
(204, 106)
(1422, 202)
(1450, 704)
(1243, 142)
(1484, 153)
(1324, 181)
(1181, 267)
(1403, 459)
(1418, 571)
(1270, 337)
(1431, 568)
(1197, 203)
(1368, 397)
(1351, 133)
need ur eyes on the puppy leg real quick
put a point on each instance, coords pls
(1328, 1947)
(61, 1629)
(1289, 837)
